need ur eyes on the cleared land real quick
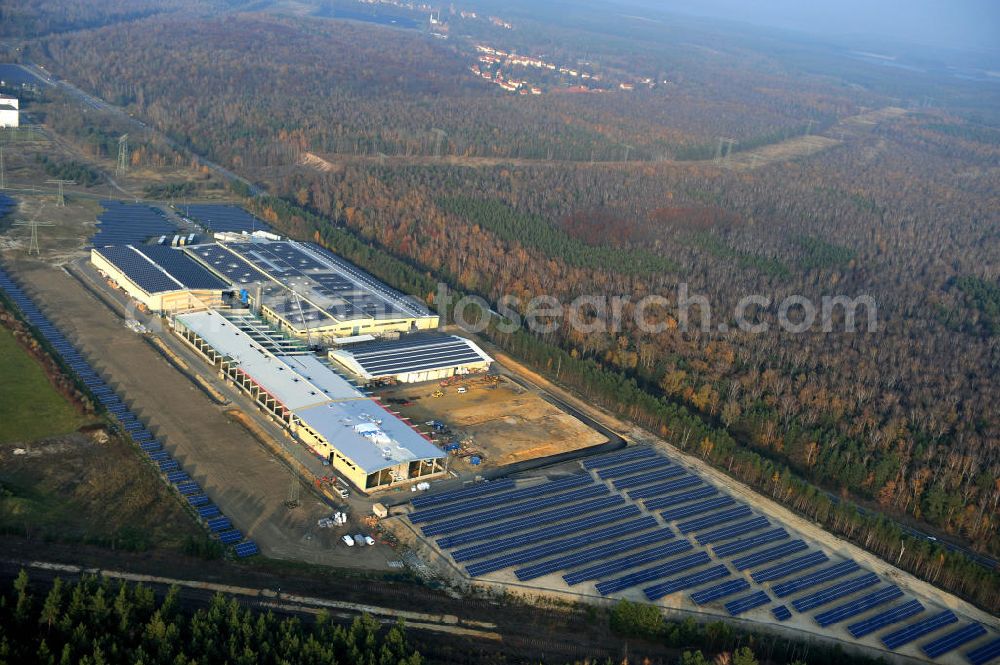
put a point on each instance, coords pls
(506, 424)
(30, 408)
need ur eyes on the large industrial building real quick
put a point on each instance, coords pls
(161, 278)
(310, 292)
(302, 288)
(367, 444)
(10, 113)
(412, 358)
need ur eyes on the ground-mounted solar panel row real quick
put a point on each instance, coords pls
(593, 554)
(789, 567)
(770, 554)
(953, 640)
(692, 580)
(715, 519)
(220, 217)
(558, 546)
(858, 605)
(581, 529)
(618, 457)
(614, 566)
(113, 404)
(720, 591)
(732, 530)
(514, 510)
(815, 578)
(456, 507)
(683, 497)
(781, 613)
(747, 603)
(129, 224)
(479, 550)
(915, 631)
(654, 573)
(655, 462)
(660, 489)
(832, 593)
(696, 508)
(887, 618)
(985, 653)
(464, 493)
(648, 477)
(507, 527)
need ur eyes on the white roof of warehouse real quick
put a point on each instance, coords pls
(418, 352)
(322, 399)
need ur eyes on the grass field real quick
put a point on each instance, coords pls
(30, 408)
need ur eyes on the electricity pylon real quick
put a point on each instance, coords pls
(60, 199)
(121, 168)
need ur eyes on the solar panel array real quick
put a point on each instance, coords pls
(413, 353)
(129, 224)
(6, 205)
(157, 269)
(116, 407)
(219, 217)
(589, 528)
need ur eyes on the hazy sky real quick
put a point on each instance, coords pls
(951, 23)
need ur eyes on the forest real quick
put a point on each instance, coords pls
(95, 621)
(427, 175)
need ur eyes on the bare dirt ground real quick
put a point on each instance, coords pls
(507, 424)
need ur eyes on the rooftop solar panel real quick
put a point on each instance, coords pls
(182, 267)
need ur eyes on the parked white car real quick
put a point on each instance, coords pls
(348, 540)
(369, 540)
